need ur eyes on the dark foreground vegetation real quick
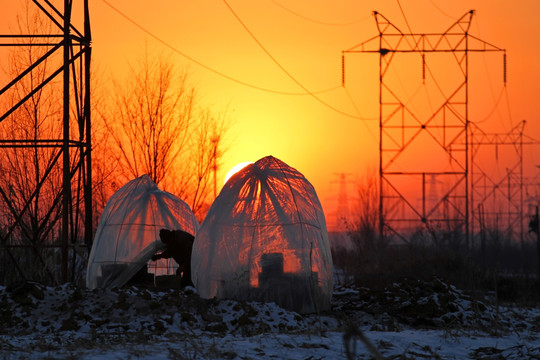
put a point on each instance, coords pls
(506, 270)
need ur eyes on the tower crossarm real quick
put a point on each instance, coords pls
(391, 39)
(514, 136)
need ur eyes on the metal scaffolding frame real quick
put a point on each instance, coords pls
(71, 208)
(446, 131)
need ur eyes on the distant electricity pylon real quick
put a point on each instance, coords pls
(416, 148)
(497, 199)
(68, 53)
(343, 211)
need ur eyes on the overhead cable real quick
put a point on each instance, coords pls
(486, 68)
(358, 112)
(285, 70)
(443, 12)
(404, 17)
(318, 21)
(493, 109)
(424, 63)
(166, 44)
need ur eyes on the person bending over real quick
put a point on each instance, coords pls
(178, 245)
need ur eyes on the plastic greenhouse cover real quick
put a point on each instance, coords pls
(265, 239)
(128, 232)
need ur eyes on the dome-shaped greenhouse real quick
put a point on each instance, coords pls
(128, 233)
(265, 239)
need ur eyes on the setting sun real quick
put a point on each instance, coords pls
(236, 168)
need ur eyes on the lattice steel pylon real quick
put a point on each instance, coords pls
(56, 211)
(499, 195)
(416, 147)
(343, 211)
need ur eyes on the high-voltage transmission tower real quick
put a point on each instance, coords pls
(46, 179)
(342, 214)
(419, 148)
(497, 198)
(497, 195)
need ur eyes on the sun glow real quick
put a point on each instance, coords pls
(236, 168)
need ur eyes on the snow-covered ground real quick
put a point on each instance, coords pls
(408, 320)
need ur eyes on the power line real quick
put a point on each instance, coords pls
(493, 109)
(486, 68)
(425, 64)
(285, 70)
(442, 12)
(358, 112)
(166, 44)
(497, 100)
(404, 17)
(318, 21)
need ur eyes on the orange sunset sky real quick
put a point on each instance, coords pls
(303, 42)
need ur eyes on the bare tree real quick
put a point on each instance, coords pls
(364, 228)
(104, 161)
(30, 177)
(36, 119)
(156, 127)
(152, 114)
(207, 151)
(367, 209)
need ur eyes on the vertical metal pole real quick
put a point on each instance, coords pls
(467, 183)
(509, 199)
(476, 222)
(521, 185)
(88, 230)
(424, 219)
(65, 145)
(381, 195)
(481, 221)
(537, 244)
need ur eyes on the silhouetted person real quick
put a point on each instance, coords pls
(178, 245)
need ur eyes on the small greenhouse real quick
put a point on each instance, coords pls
(265, 239)
(128, 233)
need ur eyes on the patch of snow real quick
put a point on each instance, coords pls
(66, 321)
